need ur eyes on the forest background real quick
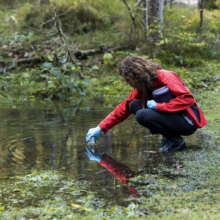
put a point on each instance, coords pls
(60, 49)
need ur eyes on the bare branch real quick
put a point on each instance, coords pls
(47, 35)
(132, 18)
(58, 25)
(133, 24)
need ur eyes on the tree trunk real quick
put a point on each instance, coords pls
(201, 8)
(43, 2)
(156, 19)
(168, 3)
(146, 7)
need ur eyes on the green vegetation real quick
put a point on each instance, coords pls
(190, 192)
(49, 74)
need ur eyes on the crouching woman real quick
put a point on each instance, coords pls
(179, 116)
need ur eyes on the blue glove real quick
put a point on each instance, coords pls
(93, 156)
(93, 132)
(151, 104)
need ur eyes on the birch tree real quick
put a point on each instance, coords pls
(146, 9)
(156, 19)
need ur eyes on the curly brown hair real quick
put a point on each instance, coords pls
(140, 73)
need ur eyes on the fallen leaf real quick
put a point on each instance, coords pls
(184, 211)
(173, 187)
(180, 166)
(17, 44)
(177, 194)
(142, 212)
(16, 56)
(99, 64)
(16, 190)
(81, 207)
(26, 54)
(151, 151)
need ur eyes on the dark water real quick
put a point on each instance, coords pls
(46, 135)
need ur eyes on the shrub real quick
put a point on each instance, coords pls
(76, 17)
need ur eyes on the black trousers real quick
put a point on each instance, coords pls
(165, 123)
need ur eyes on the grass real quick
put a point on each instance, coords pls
(191, 192)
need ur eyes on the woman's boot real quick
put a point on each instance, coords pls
(173, 144)
(163, 142)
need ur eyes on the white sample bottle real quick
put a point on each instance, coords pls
(91, 144)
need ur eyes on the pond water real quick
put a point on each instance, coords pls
(51, 136)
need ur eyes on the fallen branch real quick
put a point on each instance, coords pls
(101, 50)
(6, 66)
(9, 65)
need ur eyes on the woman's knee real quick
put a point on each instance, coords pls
(135, 105)
(144, 115)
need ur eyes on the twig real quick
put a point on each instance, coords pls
(47, 35)
(133, 25)
(132, 18)
(54, 17)
(58, 25)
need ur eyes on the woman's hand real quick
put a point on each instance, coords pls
(93, 156)
(151, 104)
(93, 132)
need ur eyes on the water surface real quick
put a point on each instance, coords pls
(51, 136)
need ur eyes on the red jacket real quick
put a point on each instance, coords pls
(182, 102)
(120, 171)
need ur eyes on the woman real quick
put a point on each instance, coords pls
(180, 116)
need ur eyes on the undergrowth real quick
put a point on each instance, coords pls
(89, 25)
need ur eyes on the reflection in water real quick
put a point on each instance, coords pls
(120, 171)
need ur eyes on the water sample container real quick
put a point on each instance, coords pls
(91, 144)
